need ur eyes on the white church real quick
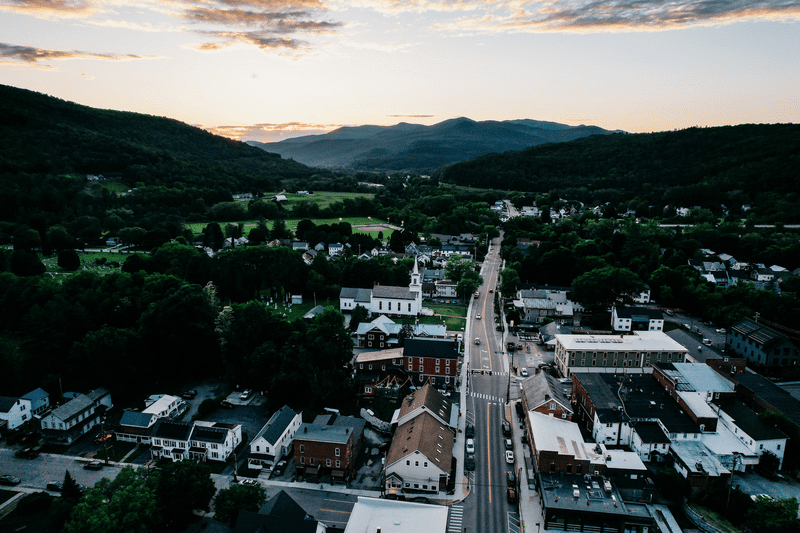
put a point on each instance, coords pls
(384, 299)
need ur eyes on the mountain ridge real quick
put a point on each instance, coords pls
(422, 148)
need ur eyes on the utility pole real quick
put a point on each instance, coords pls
(103, 436)
(234, 467)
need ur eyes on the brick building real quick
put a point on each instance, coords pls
(557, 446)
(547, 395)
(432, 361)
(328, 445)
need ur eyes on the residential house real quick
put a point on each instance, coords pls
(536, 305)
(420, 457)
(164, 406)
(428, 400)
(768, 345)
(643, 297)
(70, 421)
(384, 333)
(274, 440)
(335, 248)
(764, 275)
(280, 514)
(201, 440)
(136, 427)
(14, 412)
(328, 445)
(758, 436)
(40, 401)
(636, 319)
(379, 368)
(616, 353)
(432, 360)
(545, 394)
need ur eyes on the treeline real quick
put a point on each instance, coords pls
(753, 165)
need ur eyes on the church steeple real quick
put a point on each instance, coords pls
(415, 278)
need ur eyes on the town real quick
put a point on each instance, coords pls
(484, 404)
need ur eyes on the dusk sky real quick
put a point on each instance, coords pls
(271, 69)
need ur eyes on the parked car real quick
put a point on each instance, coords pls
(189, 394)
(506, 429)
(707, 342)
(104, 437)
(511, 479)
(511, 495)
(469, 464)
(478, 316)
(721, 330)
(509, 444)
(490, 289)
(245, 395)
(55, 486)
(93, 465)
(249, 482)
(225, 404)
(8, 479)
(477, 340)
(524, 372)
(509, 457)
(470, 446)
(756, 497)
(27, 453)
(470, 431)
(30, 438)
(279, 468)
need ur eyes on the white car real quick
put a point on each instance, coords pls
(478, 316)
(721, 330)
(245, 395)
(524, 372)
(470, 446)
(510, 457)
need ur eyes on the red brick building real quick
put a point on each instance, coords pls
(328, 446)
(432, 361)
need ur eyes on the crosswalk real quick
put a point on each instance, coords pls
(481, 396)
(456, 518)
(514, 523)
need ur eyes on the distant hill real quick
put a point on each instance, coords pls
(43, 135)
(751, 165)
(421, 148)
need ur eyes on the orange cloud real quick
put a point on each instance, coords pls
(50, 8)
(29, 55)
(271, 132)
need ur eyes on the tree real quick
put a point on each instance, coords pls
(132, 236)
(396, 242)
(237, 498)
(406, 332)
(70, 491)
(773, 516)
(768, 464)
(213, 237)
(69, 260)
(183, 487)
(25, 263)
(602, 287)
(357, 316)
(279, 230)
(467, 286)
(509, 281)
(457, 267)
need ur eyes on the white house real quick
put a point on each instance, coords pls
(14, 412)
(757, 436)
(164, 406)
(643, 297)
(275, 438)
(202, 440)
(385, 299)
(40, 401)
(77, 417)
(636, 319)
(136, 427)
(420, 456)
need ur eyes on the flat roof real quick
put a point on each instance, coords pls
(622, 460)
(651, 433)
(697, 459)
(750, 423)
(558, 492)
(561, 436)
(651, 341)
(393, 516)
(698, 377)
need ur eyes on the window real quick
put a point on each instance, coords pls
(408, 463)
(370, 366)
(416, 463)
(380, 305)
(447, 370)
(337, 452)
(437, 369)
(302, 448)
(338, 463)
(311, 461)
(425, 464)
(302, 460)
(327, 462)
(361, 366)
(367, 390)
(370, 336)
(421, 368)
(409, 308)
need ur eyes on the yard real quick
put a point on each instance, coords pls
(291, 223)
(88, 263)
(296, 311)
(322, 198)
(454, 318)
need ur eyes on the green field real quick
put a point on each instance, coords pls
(291, 223)
(323, 198)
(87, 263)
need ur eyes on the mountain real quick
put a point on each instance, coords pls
(43, 135)
(421, 148)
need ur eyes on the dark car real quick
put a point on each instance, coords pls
(279, 468)
(511, 495)
(93, 465)
(506, 428)
(55, 486)
(470, 431)
(9, 480)
(27, 453)
(469, 464)
(225, 404)
(511, 479)
(31, 438)
(189, 394)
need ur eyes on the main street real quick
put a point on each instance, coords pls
(486, 508)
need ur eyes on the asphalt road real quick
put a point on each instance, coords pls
(486, 508)
(36, 473)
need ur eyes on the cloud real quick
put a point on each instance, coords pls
(620, 15)
(410, 116)
(32, 56)
(272, 132)
(50, 8)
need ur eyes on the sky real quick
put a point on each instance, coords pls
(272, 69)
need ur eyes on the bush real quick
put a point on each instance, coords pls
(205, 408)
(69, 260)
(34, 503)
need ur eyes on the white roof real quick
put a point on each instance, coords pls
(161, 405)
(639, 341)
(562, 436)
(724, 442)
(698, 404)
(620, 459)
(703, 378)
(393, 516)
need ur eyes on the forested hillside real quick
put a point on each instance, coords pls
(50, 145)
(731, 166)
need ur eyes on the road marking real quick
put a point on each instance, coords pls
(335, 511)
(489, 451)
(456, 518)
(513, 522)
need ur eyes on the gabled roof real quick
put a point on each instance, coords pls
(6, 403)
(396, 293)
(748, 420)
(759, 333)
(208, 434)
(543, 387)
(276, 425)
(136, 419)
(168, 429)
(426, 435)
(35, 395)
(427, 398)
(284, 506)
(379, 355)
(78, 404)
(359, 295)
(436, 348)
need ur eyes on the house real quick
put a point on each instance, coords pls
(445, 288)
(547, 395)
(636, 319)
(281, 513)
(164, 406)
(758, 436)
(643, 297)
(136, 427)
(385, 299)
(200, 441)
(428, 400)
(14, 412)
(763, 344)
(431, 360)
(540, 303)
(40, 401)
(649, 442)
(375, 370)
(328, 445)
(370, 515)
(298, 245)
(763, 275)
(384, 333)
(274, 440)
(557, 447)
(70, 421)
(335, 248)
(616, 353)
(420, 457)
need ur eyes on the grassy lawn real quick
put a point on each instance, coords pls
(291, 223)
(448, 310)
(452, 324)
(322, 198)
(118, 450)
(87, 263)
(297, 311)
